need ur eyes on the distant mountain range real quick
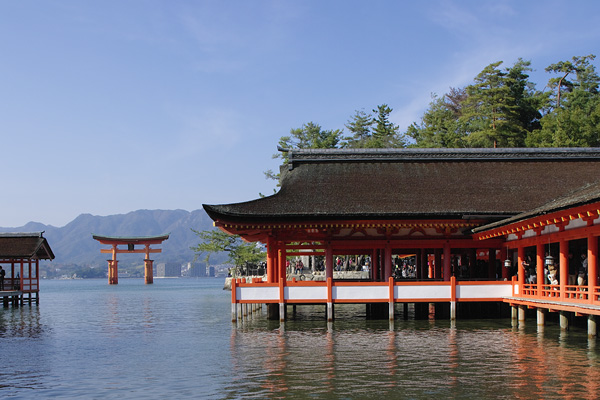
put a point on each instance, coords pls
(73, 244)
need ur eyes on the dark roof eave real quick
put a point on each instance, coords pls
(216, 214)
(565, 203)
(523, 217)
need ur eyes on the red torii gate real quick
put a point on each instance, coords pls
(130, 242)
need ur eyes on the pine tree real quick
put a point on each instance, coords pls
(360, 126)
(490, 111)
(573, 119)
(385, 133)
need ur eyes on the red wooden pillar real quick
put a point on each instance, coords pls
(503, 256)
(281, 263)
(113, 267)
(447, 261)
(564, 266)
(520, 269)
(387, 262)
(423, 267)
(375, 264)
(271, 274)
(12, 272)
(148, 271)
(37, 274)
(329, 261)
(21, 276)
(539, 267)
(592, 244)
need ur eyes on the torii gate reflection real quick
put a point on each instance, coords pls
(130, 242)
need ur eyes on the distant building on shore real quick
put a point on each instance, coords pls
(195, 270)
(168, 270)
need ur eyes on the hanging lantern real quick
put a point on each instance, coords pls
(549, 261)
(507, 263)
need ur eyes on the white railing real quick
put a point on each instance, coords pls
(366, 292)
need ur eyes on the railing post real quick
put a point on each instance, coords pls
(452, 298)
(329, 299)
(391, 298)
(233, 300)
(281, 299)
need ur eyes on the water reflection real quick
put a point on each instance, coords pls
(417, 359)
(21, 322)
(24, 325)
(131, 342)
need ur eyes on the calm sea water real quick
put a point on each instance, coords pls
(174, 339)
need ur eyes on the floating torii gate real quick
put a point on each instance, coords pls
(130, 242)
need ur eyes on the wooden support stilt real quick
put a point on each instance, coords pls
(541, 317)
(592, 329)
(522, 313)
(281, 312)
(564, 320)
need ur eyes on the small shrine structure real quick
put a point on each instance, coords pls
(130, 243)
(20, 255)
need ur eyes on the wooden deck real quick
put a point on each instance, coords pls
(18, 297)
(545, 298)
(11, 297)
(338, 292)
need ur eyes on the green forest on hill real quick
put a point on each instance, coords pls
(501, 108)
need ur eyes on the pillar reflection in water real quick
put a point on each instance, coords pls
(275, 362)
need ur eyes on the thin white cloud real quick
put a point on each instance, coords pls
(203, 133)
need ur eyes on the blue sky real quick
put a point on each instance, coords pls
(112, 106)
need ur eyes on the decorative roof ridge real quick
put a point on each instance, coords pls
(297, 156)
(22, 234)
(164, 236)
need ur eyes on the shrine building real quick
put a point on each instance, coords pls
(468, 217)
(20, 255)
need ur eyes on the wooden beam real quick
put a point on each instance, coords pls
(143, 251)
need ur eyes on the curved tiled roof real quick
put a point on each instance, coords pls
(418, 183)
(131, 239)
(25, 246)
